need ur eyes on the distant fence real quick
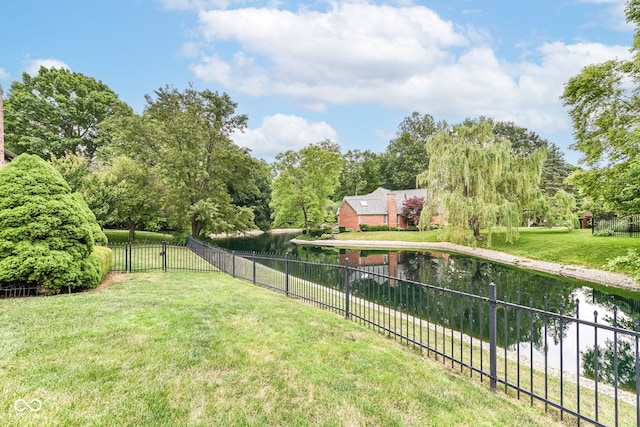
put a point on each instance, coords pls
(626, 226)
(462, 330)
(129, 257)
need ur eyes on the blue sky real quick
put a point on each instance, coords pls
(348, 71)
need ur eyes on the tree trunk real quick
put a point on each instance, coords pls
(306, 220)
(196, 228)
(476, 233)
(131, 225)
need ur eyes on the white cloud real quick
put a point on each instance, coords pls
(616, 11)
(400, 57)
(281, 132)
(34, 65)
(3, 74)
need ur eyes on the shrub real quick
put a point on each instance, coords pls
(369, 227)
(104, 256)
(342, 229)
(603, 233)
(326, 236)
(630, 261)
(47, 233)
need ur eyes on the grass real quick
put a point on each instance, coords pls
(206, 349)
(577, 247)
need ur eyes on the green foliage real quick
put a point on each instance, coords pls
(361, 173)
(604, 107)
(304, 182)
(104, 256)
(479, 181)
(628, 262)
(555, 169)
(199, 162)
(603, 233)
(405, 157)
(47, 233)
(57, 112)
(139, 191)
(369, 227)
(95, 188)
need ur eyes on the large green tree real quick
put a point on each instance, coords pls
(524, 142)
(57, 112)
(95, 187)
(604, 102)
(361, 173)
(405, 156)
(199, 162)
(138, 192)
(47, 232)
(258, 201)
(303, 183)
(478, 180)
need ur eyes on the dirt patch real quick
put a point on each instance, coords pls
(109, 279)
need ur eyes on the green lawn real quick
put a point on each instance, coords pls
(577, 247)
(205, 349)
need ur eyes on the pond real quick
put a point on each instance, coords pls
(473, 276)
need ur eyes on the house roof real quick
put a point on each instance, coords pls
(375, 203)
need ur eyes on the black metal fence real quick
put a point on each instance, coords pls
(131, 257)
(626, 226)
(470, 333)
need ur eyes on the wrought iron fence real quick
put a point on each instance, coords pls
(625, 226)
(131, 257)
(479, 335)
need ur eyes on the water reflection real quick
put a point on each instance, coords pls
(531, 334)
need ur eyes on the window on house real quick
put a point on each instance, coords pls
(384, 219)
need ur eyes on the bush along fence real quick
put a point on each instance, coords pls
(624, 227)
(479, 335)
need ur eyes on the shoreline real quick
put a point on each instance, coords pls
(601, 277)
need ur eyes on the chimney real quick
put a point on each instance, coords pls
(392, 212)
(1, 130)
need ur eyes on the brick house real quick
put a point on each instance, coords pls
(382, 207)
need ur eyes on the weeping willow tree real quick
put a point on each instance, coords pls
(478, 181)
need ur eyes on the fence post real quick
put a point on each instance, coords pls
(254, 267)
(130, 249)
(126, 257)
(286, 274)
(164, 255)
(346, 289)
(233, 264)
(493, 350)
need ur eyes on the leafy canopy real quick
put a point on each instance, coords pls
(604, 101)
(478, 180)
(57, 112)
(304, 181)
(185, 137)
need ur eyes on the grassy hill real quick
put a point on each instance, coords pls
(206, 349)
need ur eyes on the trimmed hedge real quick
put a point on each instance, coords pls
(368, 227)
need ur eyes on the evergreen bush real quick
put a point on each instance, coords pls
(47, 233)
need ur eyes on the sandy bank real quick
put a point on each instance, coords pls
(601, 277)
